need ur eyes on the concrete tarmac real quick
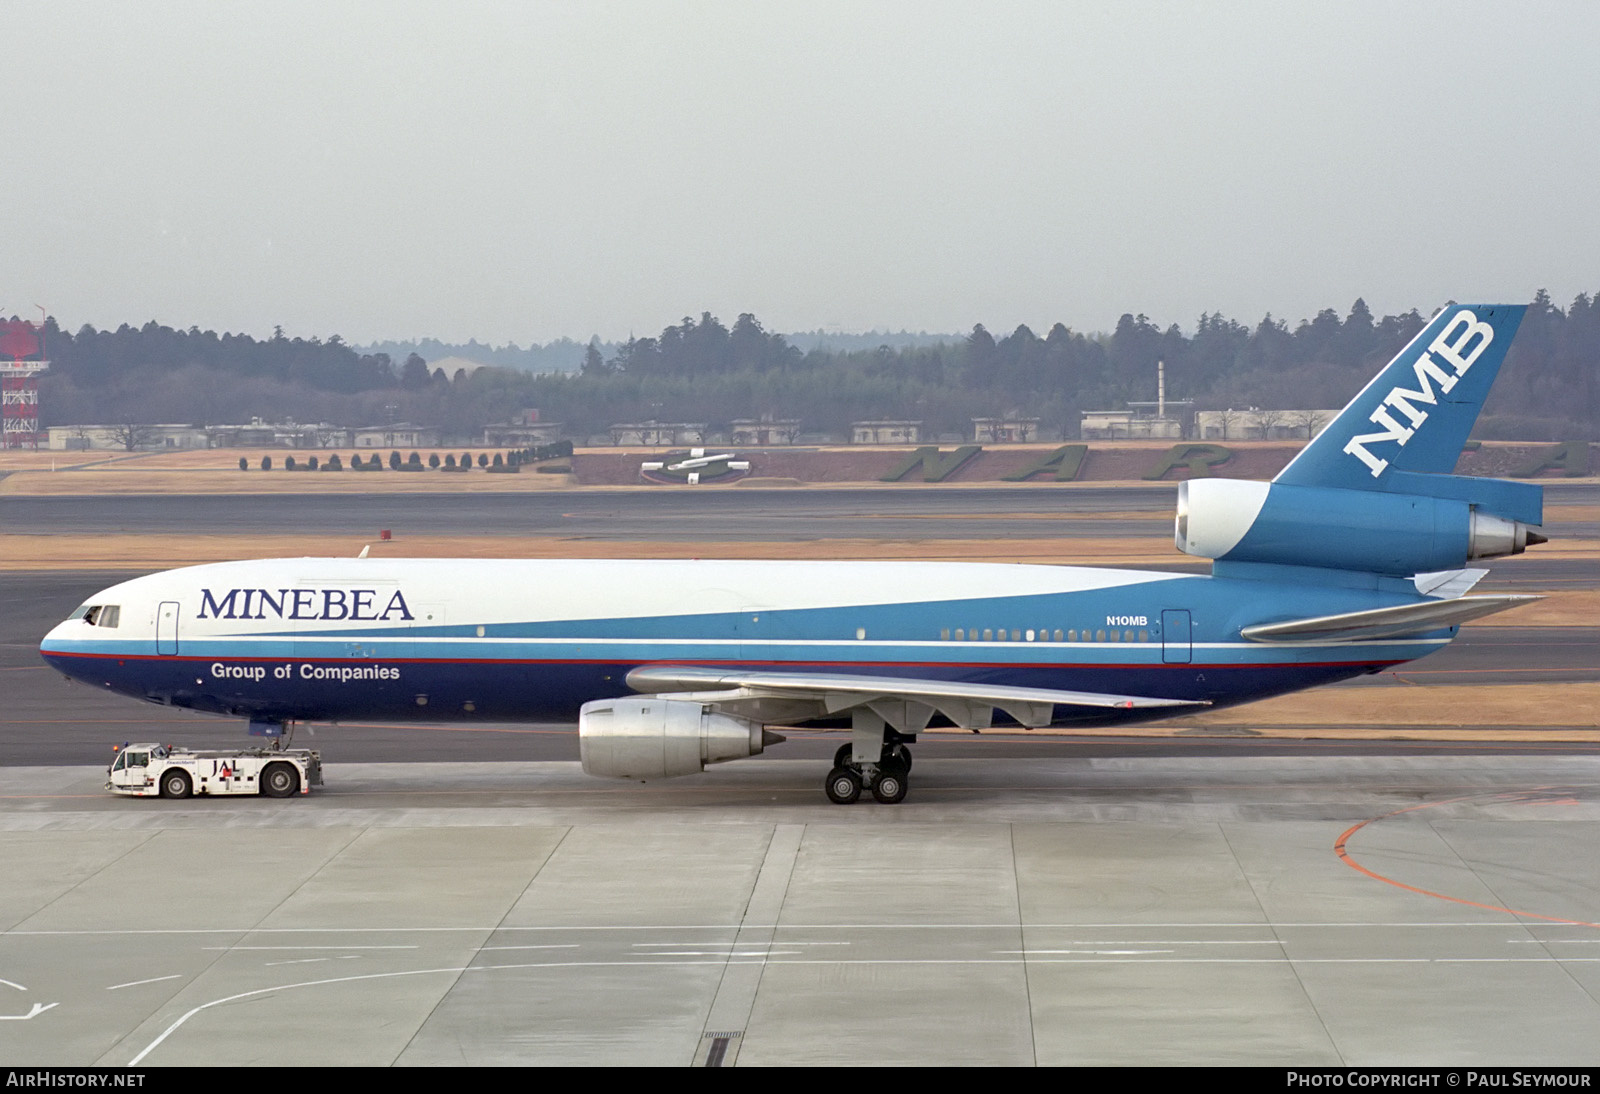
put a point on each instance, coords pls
(1162, 911)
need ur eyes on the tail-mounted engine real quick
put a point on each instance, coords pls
(1443, 525)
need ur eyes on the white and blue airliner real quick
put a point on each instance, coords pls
(1352, 560)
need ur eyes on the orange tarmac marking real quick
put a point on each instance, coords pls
(1344, 837)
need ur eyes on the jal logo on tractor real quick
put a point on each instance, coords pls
(1458, 345)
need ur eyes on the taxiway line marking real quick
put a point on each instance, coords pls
(152, 980)
(232, 948)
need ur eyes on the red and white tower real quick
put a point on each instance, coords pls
(21, 361)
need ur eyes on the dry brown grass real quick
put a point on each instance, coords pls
(137, 551)
(1432, 707)
(28, 460)
(112, 480)
(216, 471)
(227, 459)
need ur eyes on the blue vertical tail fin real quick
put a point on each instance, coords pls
(1414, 417)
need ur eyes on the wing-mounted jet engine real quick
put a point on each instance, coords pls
(659, 738)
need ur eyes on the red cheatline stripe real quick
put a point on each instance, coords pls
(724, 663)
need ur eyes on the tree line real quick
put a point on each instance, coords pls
(702, 370)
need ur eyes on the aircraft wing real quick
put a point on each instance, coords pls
(1395, 622)
(912, 701)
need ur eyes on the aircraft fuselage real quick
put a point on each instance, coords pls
(514, 640)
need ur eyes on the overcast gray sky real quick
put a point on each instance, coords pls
(525, 171)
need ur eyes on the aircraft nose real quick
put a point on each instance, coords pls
(48, 644)
(53, 646)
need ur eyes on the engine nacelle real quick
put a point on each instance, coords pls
(1373, 531)
(650, 737)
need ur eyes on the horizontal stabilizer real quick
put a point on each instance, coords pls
(1448, 584)
(1395, 622)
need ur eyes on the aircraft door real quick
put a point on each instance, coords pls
(167, 627)
(1177, 647)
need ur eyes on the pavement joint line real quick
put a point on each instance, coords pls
(1119, 926)
(735, 998)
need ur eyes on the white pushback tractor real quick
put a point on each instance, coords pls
(172, 771)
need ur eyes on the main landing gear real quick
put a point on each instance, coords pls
(887, 779)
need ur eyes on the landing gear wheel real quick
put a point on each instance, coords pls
(843, 786)
(891, 787)
(279, 781)
(892, 753)
(175, 784)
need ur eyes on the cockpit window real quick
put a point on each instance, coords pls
(101, 615)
